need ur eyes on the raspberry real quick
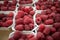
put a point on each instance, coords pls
(38, 20)
(9, 22)
(20, 14)
(17, 35)
(43, 12)
(44, 17)
(37, 15)
(10, 14)
(56, 25)
(3, 8)
(30, 36)
(30, 16)
(28, 20)
(53, 30)
(21, 39)
(1, 23)
(1, 15)
(27, 27)
(4, 19)
(40, 36)
(47, 31)
(56, 36)
(49, 38)
(49, 21)
(19, 21)
(57, 18)
(33, 38)
(48, 11)
(52, 15)
(37, 7)
(19, 27)
(43, 7)
(41, 27)
(53, 8)
(31, 26)
(32, 13)
(11, 39)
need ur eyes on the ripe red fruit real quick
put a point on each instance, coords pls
(31, 26)
(33, 38)
(53, 30)
(46, 31)
(28, 20)
(49, 21)
(43, 7)
(49, 38)
(37, 7)
(20, 14)
(56, 36)
(57, 18)
(40, 36)
(48, 11)
(44, 17)
(37, 15)
(19, 21)
(21, 39)
(3, 8)
(17, 35)
(1, 23)
(1, 15)
(32, 13)
(11, 38)
(27, 27)
(41, 27)
(30, 36)
(53, 8)
(38, 20)
(9, 22)
(56, 25)
(19, 27)
(43, 12)
(10, 14)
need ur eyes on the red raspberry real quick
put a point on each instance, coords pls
(48, 11)
(56, 36)
(57, 18)
(41, 27)
(1, 15)
(37, 7)
(59, 30)
(38, 20)
(37, 15)
(10, 14)
(32, 13)
(30, 16)
(40, 36)
(30, 8)
(4, 19)
(9, 22)
(52, 15)
(19, 27)
(43, 12)
(9, 18)
(27, 27)
(44, 17)
(53, 30)
(19, 21)
(49, 21)
(3, 8)
(43, 7)
(26, 9)
(20, 14)
(11, 38)
(31, 26)
(28, 20)
(1, 23)
(17, 35)
(33, 38)
(30, 36)
(49, 38)
(53, 8)
(56, 25)
(21, 39)
(47, 31)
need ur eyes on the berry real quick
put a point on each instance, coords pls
(40, 35)
(49, 38)
(38, 20)
(32, 13)
(11, 38)
(56, 36)
(53, 8)
(21, 39)
(46, 31)
(53, 30)
(49, 21)
(56, 25)
(41, 27)
(37, 7)
(19, 27)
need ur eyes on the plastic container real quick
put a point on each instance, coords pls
(7, 12)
